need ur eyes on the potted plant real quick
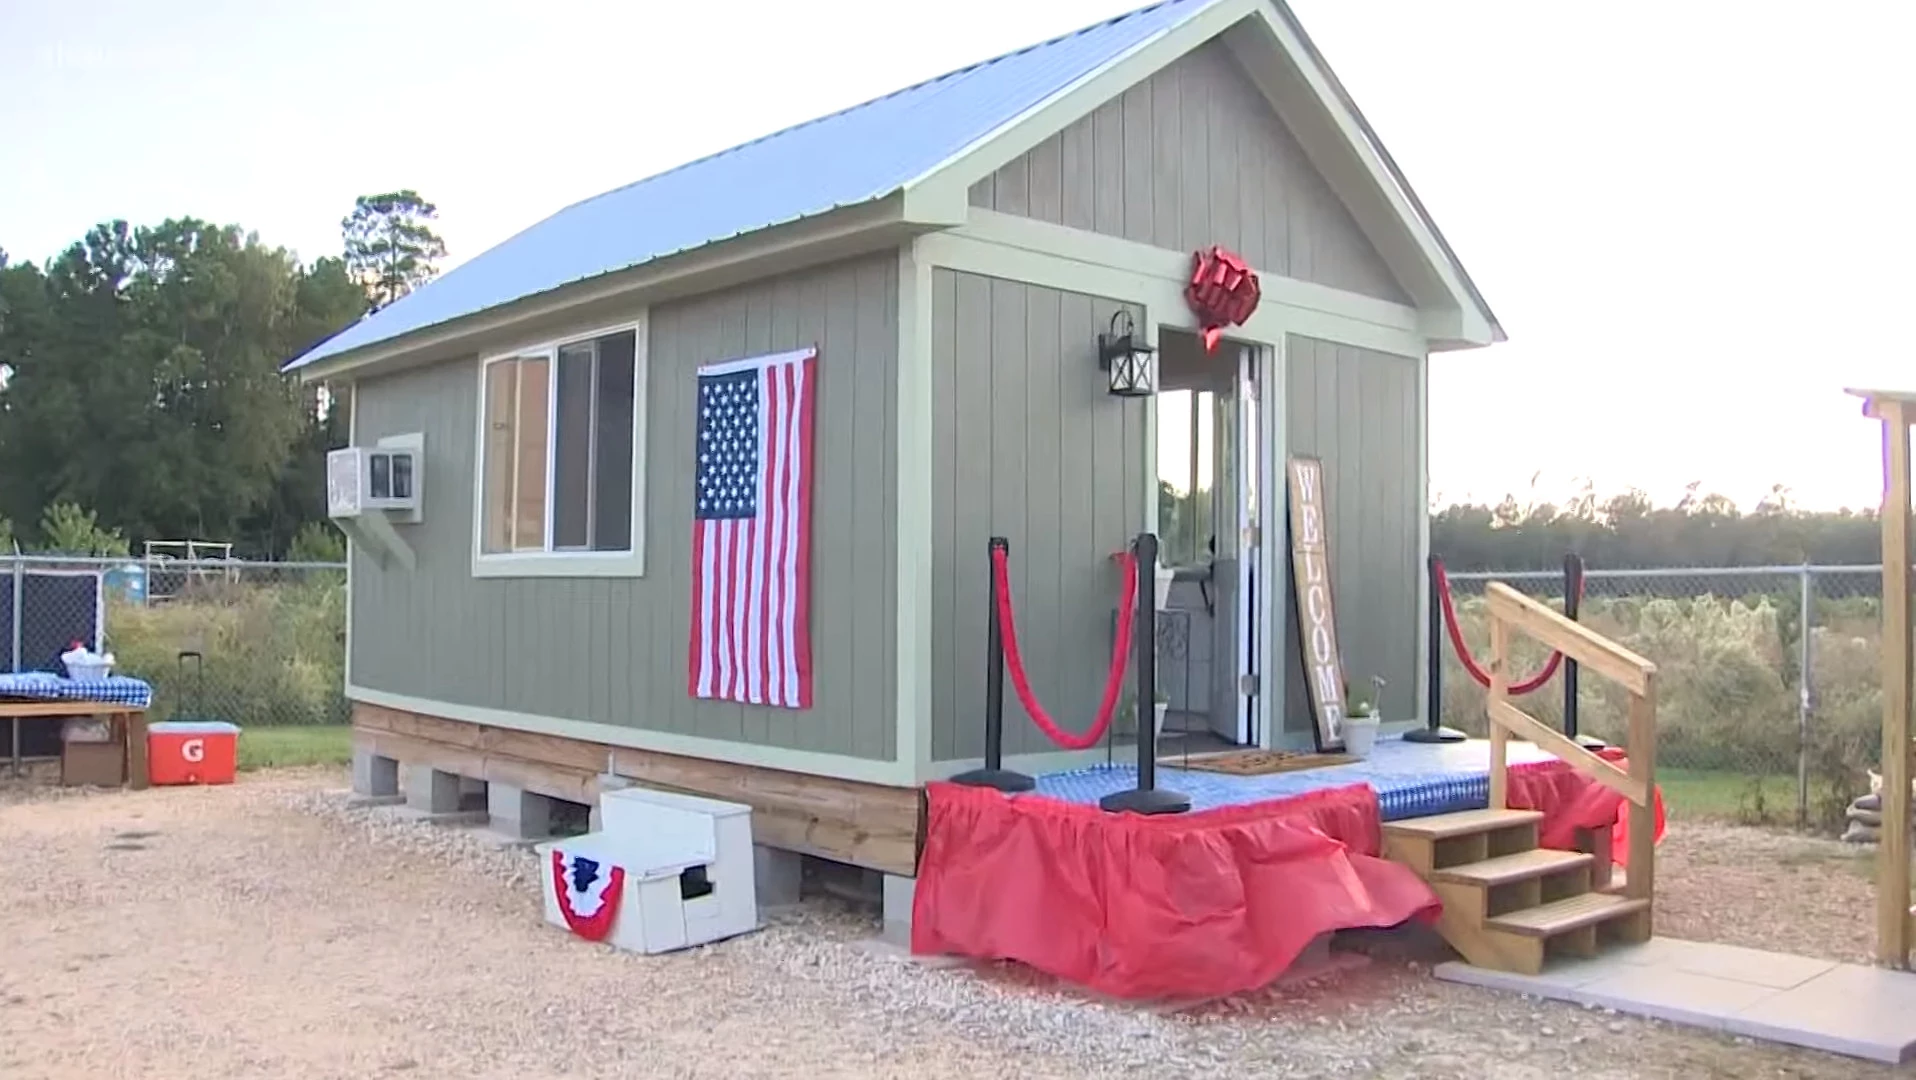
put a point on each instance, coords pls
(1129, 707)
(1361, 720)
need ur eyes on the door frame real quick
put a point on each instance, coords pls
(1265, 717)
(1248, 471)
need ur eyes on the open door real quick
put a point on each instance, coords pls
(1210, 512)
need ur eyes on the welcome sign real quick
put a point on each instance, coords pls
(1316, 618)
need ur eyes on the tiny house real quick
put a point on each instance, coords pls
(944, 261)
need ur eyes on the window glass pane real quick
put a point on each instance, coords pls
(502, 388)
(1176, 527)
(382, 478)
(529, 492)
(572, 449)
(402, 476)
(612, 450)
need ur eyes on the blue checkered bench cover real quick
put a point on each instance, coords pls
(45, 686)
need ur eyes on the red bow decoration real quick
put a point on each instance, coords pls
(1223, 292)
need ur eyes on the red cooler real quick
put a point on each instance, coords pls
(192, 752)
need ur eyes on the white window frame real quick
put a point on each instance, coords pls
(549, 563)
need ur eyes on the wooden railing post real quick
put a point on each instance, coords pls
(1640, 881)
(1512, 611)
(1499, 694)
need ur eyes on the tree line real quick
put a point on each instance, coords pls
(140, 388)
(1628, 531)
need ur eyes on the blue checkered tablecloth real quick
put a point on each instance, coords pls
(1411, 779)
(45, 686)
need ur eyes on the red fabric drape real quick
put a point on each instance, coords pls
(1198, 904)
(1572, 801)
(1189, 905)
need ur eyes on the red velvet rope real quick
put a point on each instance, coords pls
(1463, 651)
(1114, 679)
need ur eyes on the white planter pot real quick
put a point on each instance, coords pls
(1157, 719)
(1163, 586)
(1360, 734)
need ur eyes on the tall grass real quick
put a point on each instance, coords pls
(273, 652)
(1728, 692)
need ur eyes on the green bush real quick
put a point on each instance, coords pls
(274, 654)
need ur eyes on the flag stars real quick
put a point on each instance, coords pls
(728, 442)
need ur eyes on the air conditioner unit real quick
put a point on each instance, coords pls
(370, 488)
(360, 479)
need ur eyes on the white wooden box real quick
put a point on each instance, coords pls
(687, 868)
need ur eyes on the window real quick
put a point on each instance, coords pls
(557, 452)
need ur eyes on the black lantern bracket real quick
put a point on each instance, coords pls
(1125, 360)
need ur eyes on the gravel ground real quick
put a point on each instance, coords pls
(265, 930)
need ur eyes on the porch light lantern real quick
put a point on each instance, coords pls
(1127, 362)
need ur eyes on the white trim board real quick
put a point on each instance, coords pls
(912, 527)
(352, 439)
(1160, 294)
(565, 564)
(809, 762)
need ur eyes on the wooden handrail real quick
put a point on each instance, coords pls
(1573, 639)
(1512, 610)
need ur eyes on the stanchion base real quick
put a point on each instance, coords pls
(1434, 735)
(1145, 801)
(1003, 779)
(1592, 743)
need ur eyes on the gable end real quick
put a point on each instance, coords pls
(1190, 157)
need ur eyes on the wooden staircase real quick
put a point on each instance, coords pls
(1507, 902)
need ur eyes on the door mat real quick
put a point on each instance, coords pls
(1257, 762)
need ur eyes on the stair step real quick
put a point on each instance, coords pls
(1562, 916)
(1504, 869)
(1462, 823)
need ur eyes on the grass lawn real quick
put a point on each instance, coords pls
(1727, 796)
(276, 747)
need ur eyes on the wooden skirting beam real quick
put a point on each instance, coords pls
(861, 824)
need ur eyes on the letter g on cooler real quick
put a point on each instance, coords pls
(193, 750)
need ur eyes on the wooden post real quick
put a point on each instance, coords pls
(1892, 851)
(133, 722)
(1499, 693)
(1894, 411)
(1640, 883)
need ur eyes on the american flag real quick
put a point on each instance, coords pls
(751, 531)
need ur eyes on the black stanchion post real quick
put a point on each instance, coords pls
(1433, 730)
(1147, 797)
(1572, 600)
(994, 774)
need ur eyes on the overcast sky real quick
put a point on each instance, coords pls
(1691, 216)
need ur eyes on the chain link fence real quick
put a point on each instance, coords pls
(1758, 720)
(257, 644)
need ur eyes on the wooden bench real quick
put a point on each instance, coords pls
(129, 727)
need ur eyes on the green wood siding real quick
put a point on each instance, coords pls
(1359, 412)
(1026, 445)
(1195, 156)
(613, 650)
